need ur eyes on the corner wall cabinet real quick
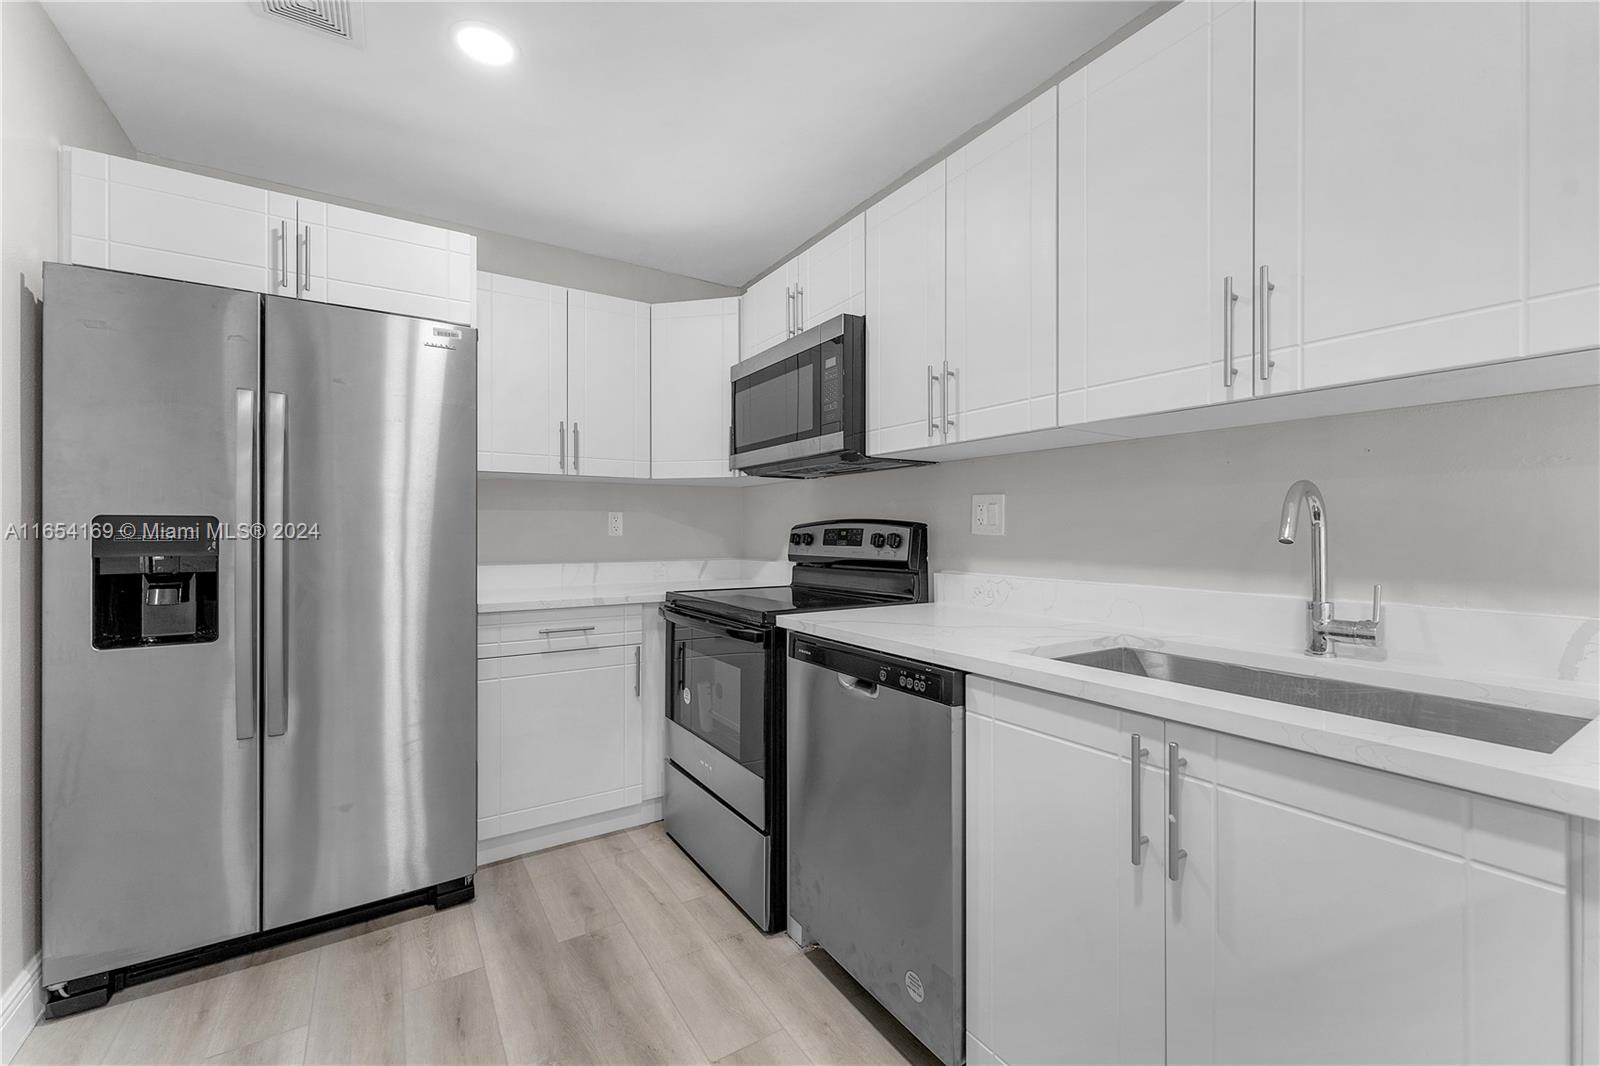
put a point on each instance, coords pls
(149, 219)
(1144, 891)
(693, 344)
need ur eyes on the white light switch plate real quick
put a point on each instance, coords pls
(613, 523)
(989, 515)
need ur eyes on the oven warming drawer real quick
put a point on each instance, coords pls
(732, 852)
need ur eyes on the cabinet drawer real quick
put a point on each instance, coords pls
(563, 629)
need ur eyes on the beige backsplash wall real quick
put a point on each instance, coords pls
(1487, 503)
(527, 521)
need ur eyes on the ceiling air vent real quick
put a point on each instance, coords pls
(336, 18)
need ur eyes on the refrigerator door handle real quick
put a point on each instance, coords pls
(276, 615)
(244, 577)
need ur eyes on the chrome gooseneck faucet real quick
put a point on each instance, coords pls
(1322, 628)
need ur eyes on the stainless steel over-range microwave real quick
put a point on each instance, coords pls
(800, 407)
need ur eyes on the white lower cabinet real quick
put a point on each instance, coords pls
(1320, 912)
(565, 733)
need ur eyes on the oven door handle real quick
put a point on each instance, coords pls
(750, 636)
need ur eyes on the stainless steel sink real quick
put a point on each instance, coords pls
(1512, 726)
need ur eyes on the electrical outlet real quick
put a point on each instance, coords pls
(613, 523)
(989, 515)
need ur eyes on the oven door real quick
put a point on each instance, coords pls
(720, 699)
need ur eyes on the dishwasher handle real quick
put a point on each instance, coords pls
(857, 686)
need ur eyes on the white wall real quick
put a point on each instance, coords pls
(45, 101)
(1489, 503)
(522, 521)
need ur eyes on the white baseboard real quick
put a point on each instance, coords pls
(513, 844)
(20, 1010)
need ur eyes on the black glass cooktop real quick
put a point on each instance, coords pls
(761, 606)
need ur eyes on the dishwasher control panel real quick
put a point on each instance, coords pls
(928, 682)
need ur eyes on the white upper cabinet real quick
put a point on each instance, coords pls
(125, 215)
(1155, 185)
(766, 312)
(608, 385)
(522, 376)
(905, 309)
(825, 280)
(830, 276)
(692, 345)
(389, 264)
(148, 219)
(1420, 206)
(1000, 276)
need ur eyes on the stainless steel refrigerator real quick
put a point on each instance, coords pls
(246, 731)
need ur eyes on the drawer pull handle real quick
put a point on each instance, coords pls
(565, 629)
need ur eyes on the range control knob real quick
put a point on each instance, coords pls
(895, 540)
(877, 540)
(794, 538)
(806, 538)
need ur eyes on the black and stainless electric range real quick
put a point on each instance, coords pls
(725, 787)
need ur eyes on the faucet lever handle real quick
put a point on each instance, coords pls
(1377, 604)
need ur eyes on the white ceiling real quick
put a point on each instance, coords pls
(703, 139)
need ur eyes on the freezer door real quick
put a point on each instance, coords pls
(369, 590)
(149, 782)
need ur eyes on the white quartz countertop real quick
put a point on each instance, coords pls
(545, 586)
(1002, 645)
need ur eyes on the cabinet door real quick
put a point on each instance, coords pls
(1064, 931)
(766, 312)
(522, 376)
(692, 345)
(148, 219)
(1000, 209)
(652, 676)
(608, 385)
(1325, 893)
(1422, 207)
(1155, 216)
(406, 268)
(488, 748)
(831, 276)
(299, 254)
(905, 314)
(569, 736)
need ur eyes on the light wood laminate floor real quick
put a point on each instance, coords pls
(611, 950)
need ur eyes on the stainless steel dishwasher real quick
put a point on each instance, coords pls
(876, 827)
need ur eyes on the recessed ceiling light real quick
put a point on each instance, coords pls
(483, 43)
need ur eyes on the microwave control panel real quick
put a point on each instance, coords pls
(832, 385)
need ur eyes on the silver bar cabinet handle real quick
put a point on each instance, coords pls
(799, 308)
(277, 582)
(305, 254)
(1229, 298)
(638, 671)
(574, 447)
(788, 311)
(244, 564)
(1266, 364)
(1136, 756)
(283, 255)
(949, 383)
(1175, 854)
(561, 431)
(566, 629)
(933, 383)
